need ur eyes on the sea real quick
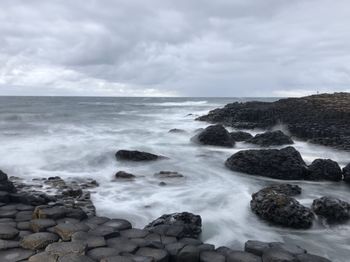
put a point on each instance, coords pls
(77, 138)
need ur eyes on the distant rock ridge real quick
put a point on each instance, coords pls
(323, 119)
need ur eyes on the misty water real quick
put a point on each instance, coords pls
(78, 137)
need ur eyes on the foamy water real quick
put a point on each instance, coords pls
(78, 137)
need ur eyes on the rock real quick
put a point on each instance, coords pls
(74, 258)
(280, 209)
(178, 225)
(206, 247)
(215, 135)
(346, 173)
(40, 225)
(134, 233)
(23, 225)
(278, 255)
(176, 130)
(123, 244)
(311, 258)
(38, 241)
(324, 169)
(256, 247)
(43, 257)
(240, 256)
(271, 138)
(168, 174)
(76, 213)
(15, 254)
(240, 136)
(73, 192)
(90, 240)
(285, 163)
(66, 230)
(102, 252)
(135, 156)
(4, 197)
(322, 119)
(7, 244)
(118, 224)
(173, 249)
(23, 216)
(223, 250)
(286, 189)
(5, 184)
(96, 220)
(158, 255)
(117, 259)
(105, 231)
(188, 254)
(65, 248)
(210, 256)
(190, 241)
(49, 212)
(124, 175)
(333, 209)
(290, 248)
(8, 232)
(8, 213)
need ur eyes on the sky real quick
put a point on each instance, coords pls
(174, 48)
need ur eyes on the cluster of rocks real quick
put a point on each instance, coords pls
(286, 164)
(322, 119)
(277, 205)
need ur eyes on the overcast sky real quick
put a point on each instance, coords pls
(174, 48)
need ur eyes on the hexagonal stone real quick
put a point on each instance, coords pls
(66, 230)
(119, 224)
(117, 259)
(123, 244)
(210, 256)
(24, 233)
(41, 224)
(174, 248)
(74, 258)
(23, 216)
(311, 258)
(188, 253)
(223, 250)
(276, 255)
(7, 232)
(38, 241)
(105, 231)
(167, 240)
(8, 213)
(140, 258)
(49, 212)
(7, 244)
(43, 257)
(206, 247)
(102, 252)
(134, 233)
(90, 240)
(159, 255)
(293, 249)
(23, 225)
(66, 248)
(96, 220)
(23, 207)
(190, 241)
(235, 256)
(256, 247)
(15, 254)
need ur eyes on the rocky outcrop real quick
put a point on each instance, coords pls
(286, 163)
(281, 209)
(240, 136)
(136, 155)
(346, 173)
(324, 169)
(5, 184)
(332, 209)
(271, 138)
(323, 119)
(215, 135)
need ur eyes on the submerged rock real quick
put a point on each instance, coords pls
(239, 136)
(168, 174)
(135, 155)
(271, 138)
(280, 209)
(124, 175)
(286, 163)
(176, 130)
(333, 209)
(215, 135)
(324, 169)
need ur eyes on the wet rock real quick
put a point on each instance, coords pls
(223, 250)
(76, 213)
(176, 130)
(271, 138)
(117, 259)
(124, 175)
(49, 212)
(66, 230)
(215, 135)
(290, 248)
(281, 209)
(190, 241)
(5, 184)
(65, 248)
(96, 220)
(4, 197)
(206, 247)
(43, 257)
(178, 225)
(90, 240)
(73, 192)
(158, 255)
(278, 255)
(240, 136)
(134, 233)
(118, 224)
(210, 256)
(333, 209)
(286, 189)
(173, 249)
(40, 225)
(311, 258)
(105, 231)
(240, 256)
(7, 244)
(38, 241)
(135, 156)
(74, 258)
(188, 254)
(15, 254)
(123, 244)
(23, 216)
(7, 232)
(168, 174)
(346, 173)
(256, 247)
(285, 163)
(324, 169)
(23, 225)
(102, 252)
(8, 213)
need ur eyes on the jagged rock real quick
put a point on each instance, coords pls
(40, 225)
(38, 241)
(215, 135)
(286, 189)
(324, 169)
(240, 136)
(333, 209)
(280, 209)
(178, 225)
(285, 163)
(135, 155)
(235, 256)
(15, 254)
(271, 138)
(7, 232)
(124, 175)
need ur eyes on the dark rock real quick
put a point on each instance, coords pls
(66, 248)
(134, 233)
(123, 244)
(206, 247)
(162, 183)
(239, 136)
(278, 255)
(124, 175)
(102, 252)
(8, 232)
(281, 209)
(190, 241)
(346, 173)
(240, 256)
(24, 225)
(223, 250)
(285, 163)
(118, 224)
(76, 213)
(7, 244)
(40, 225)
(167, 240)
(5, 184)
(15, 254)
(159, 255)
(66, 230)
(38, 241)
(49, 212)
(23, 216)
(91, 241)
(168, 174)
(290, 248)
(4, 197)
(256, 247)
(286, 189)
(176, 130)
(117, 259)
(8, 213)
(73, 192)
(324, 169)
(210, 256)
(188, 254)
(271, 138)
(333, 209)
(311, 258)
(74, 258)
(135, 156)
(105, 231)
(173, 250)
(179, 225)
(43, 257)
(215, 135)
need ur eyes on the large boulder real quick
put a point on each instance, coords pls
(215, 135)
(324, 169)
(285, 163)
(239, 136)
(271, 138)
(333, 209)
(280, 209)
(5, 184)
(346, 173)
(131, 155)
(177, 224)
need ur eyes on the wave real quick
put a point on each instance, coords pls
(185, 103)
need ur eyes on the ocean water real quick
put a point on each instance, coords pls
(78, 137)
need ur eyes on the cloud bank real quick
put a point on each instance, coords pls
(174, 48)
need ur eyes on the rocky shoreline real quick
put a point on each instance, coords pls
(62, 226)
